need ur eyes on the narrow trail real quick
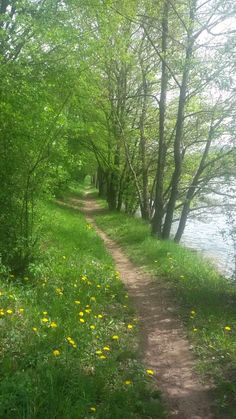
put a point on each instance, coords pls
(164, 346)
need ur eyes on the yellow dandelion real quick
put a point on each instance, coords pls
(2, 312)
(194, 329)
(87, 306)
(115, 337)
(100, 316)
(106, 348)
(88, 310)
(127, 382)
(77, 302)
(98, 286)
(9, 311)
(56, 352)
(130, 326)
(102, 357)
(93, 409)
(193, 312)
(150, 372)
(21, 310)
(45, 313)
(82, 320)
(53, 325)
(45, 320)
(74, 345)
(227, 328)
(93, 299)
(98, 352)
(34, 329)
(92, 326)
(81, 313)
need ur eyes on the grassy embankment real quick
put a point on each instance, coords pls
(68, 337)
(206, 301)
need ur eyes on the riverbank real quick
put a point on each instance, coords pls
(206, 301)
(69, 333)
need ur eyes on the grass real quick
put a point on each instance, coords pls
(67, 351)
(206, 300)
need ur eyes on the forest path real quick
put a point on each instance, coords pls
(164, 346)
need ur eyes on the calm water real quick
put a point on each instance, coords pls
(206, 237)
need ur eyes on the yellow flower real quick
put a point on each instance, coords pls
(98, 352)
(130, 326)
(87, 306)
(93, 299)
(74, 345)
(150, 372)
(2, 312)
(100, 316)
(53, 325)
(56, 352)
(193, 312)
(98, 286)
(59, 291)
(21, 310)
(82, 320)
(115, 337)
(195, 329)
(64, 257)
(102, 357)
(93, 409)
(127, 382)
(81, 313)
(88, 310)
(227, 328)
(9, 311)
(77, 302)
(34, 329)
(106, 348)
(92, 326)
(45, 313)
(45, 320)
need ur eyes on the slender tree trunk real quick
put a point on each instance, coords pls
(159, 204)
(179, 130)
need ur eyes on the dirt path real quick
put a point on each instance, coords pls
(164, 346)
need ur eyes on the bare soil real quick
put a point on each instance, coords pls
(163, 342)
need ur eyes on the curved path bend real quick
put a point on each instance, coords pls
(164, 345)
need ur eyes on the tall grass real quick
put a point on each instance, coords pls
(66, 349)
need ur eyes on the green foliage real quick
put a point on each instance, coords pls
(45, 316)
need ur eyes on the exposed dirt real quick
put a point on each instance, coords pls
(164, 346)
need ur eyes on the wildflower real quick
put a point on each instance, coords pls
(98, 286)
(64, 257)
(34, 329)
(100, 316)
(93, 409)
(102, 357)
(77, 302)
(93, 299)
(88, 310)
(9, 311)
(56, 352)
(106, 348)
(98, 352)
(130, 326)
(2, 312)
(227, 328)
(115, 337)
(127, 382)
(150, 372)
(45, 320)
(92, 326)
(45, 313)
(87, 306)
(53, 325)
(194, 329)
(126, 296)
(81, 313)
(82, 320)
(21, 310)
(193, 312)
(59, 291)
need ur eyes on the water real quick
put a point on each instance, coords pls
(205, 235)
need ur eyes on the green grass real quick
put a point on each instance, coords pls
(53, 365)
(206, 301)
